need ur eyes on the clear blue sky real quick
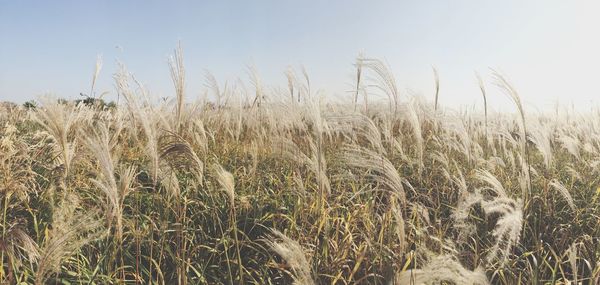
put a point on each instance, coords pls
(549, 49)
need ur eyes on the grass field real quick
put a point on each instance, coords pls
(281, 186)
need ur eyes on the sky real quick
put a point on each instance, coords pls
(550, 50)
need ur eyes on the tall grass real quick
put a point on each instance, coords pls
(387, 195)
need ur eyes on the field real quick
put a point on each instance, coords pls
(281, 186)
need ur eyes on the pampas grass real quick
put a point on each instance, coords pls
(178, 77)
(184, 191)
(377, 167)
(60, 123)
(564, 193)
(436, 78)
(226, 181)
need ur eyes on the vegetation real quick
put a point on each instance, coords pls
(282, 187)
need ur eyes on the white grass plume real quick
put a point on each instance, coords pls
(212, 84)
(178, 77)
(359, 125)
(60, 122)
(316, 162)
(485, 107)
(509, 90)
(258, 86)
(385, 81)
(571, 253)
(564, 192)
(227, 182)
(97, 69)
(115, 191)
(507, 231)
(293, 254)
(436, 78)
(415, 124)
(179, 154)
(571, 144)
(378, 167)
(144, 117)
(541, 137)
(291, 80)
(359, 66)
(492, 180)
(509, 213)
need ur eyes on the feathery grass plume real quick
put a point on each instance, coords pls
(361, 125)
(115, 191)
(17, 182)
(71, 230)
(227, 182)
(508, 226)
(60, 122)
(238, 127)
(509, 90)
(399, 228)
(458, 138)
(293, 254)
(492, 180)
(415, 124)
(485, 108)
(315, 162)
(575, 175)
(18, 246)
(144, 117)
(365, 93)
(562, 190)
(178, 77)
(378, 167)
(359, 66)
(259, 96)
(571, 144)
(589, 148)
(306, 86)
(97, 69)
(436, 77)
(440, 270)
(7, 143)
(180, 155)
(169, 180)
(385, 81)
(460, 215)
(291, 80)
(509, 223)
(253, 151)
(540, 136)
(386, 127)
(572, 253)
(212, 84)
(319, 123)
(17, 178)
(98, 143)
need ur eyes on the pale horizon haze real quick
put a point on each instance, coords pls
(550, 50)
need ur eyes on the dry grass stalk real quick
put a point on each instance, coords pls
(178, 77)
